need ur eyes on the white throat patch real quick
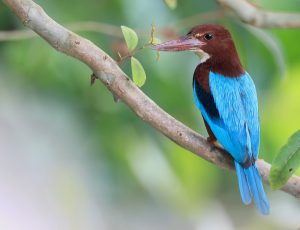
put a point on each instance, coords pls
(202, 55)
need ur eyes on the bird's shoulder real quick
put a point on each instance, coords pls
(235, 98)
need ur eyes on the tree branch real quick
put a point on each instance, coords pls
(251, 14)
(107, 70)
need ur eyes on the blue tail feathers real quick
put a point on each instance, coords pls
(243, 185)
(250, 185)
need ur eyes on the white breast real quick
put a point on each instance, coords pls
(202, 55)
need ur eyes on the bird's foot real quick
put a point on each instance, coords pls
(211, 140)
(214, 143)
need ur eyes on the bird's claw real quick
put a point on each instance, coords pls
(211, 140)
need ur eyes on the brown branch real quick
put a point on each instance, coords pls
(251, 14)
(107, 70)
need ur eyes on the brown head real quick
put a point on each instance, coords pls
(213, 44)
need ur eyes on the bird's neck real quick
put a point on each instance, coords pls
(224, 60)
(227, 65)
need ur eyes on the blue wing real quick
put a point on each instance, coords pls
(237, 126)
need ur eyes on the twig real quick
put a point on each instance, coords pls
(15, 35)
(251, 14)
(107, 70)
(111, 30)
(247, 13)
(88, 26)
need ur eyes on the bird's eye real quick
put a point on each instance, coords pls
(208, 36)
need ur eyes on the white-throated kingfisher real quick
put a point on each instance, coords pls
(226, 96)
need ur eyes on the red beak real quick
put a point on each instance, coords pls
(186, 43)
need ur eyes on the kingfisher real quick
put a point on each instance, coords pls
(226, 97)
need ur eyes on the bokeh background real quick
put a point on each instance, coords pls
(72, 158)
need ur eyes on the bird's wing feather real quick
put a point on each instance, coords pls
(250, 104)
(237, 126)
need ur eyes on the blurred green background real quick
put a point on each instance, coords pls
(72, 158)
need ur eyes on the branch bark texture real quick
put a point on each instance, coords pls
(108, 71)
(251, 14)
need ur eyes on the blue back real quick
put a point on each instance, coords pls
(237, 128)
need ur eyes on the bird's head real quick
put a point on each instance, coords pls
(213, 44)
(208, 41)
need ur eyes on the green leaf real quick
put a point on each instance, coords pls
(130, 36)
(138, 72)
(172, 4)
(286, 162)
